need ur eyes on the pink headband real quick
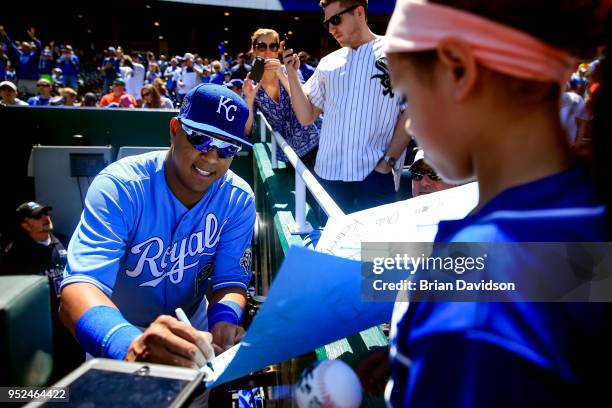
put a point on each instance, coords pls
(418, 26)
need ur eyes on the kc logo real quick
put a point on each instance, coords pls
(223, 102)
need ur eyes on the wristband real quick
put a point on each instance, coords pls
(103, 332)
(224, 311)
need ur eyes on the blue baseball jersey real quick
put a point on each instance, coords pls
(468, 354)
(150, 254)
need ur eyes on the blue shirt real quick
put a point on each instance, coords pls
(307, 71)
(150, 254)
(28, 62)
(3, 61)
(113, 72)
(509, 354)
(69, 65)
(218, 78)
(45, 66)
(38, 101)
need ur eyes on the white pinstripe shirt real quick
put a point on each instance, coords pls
(353, 89)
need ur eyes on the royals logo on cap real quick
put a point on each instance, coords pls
(216, 110)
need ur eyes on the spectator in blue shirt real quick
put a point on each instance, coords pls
(306, 69)
(3, 63)
(477, 118)
(110, 67)
(217, 77)
(70, 65)
(44, 93)
(241, 69)
(45, 65)
(28, 57)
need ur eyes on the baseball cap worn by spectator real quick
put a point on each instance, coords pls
(31, 209)
(238, 83)
(420, 155)
(119, 81)
(211, 111)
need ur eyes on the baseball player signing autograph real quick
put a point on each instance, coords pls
(156, 228)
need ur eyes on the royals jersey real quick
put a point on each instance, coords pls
(149, 253)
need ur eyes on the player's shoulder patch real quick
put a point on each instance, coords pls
(246, 259)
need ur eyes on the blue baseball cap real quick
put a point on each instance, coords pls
(217, 110)
(238, 83)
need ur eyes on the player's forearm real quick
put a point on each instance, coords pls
(248, 127)
(78, 298)
(234, 294)
(305, 111)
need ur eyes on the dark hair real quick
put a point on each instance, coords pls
(345, 3)
(155, 97)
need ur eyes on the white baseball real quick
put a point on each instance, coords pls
(328, 384)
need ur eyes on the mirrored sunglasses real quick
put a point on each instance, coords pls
(336, 19)
(205, 143)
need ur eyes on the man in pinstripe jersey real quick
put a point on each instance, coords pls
(362, 140)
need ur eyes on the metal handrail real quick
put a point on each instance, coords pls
(303, 178)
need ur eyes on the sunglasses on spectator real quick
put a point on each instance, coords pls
(336, 19)
(145, 94)
(418, 175)
(45, 85)
(206, 143)
(262, 46)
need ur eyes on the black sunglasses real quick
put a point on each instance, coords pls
(336, 19)
(418, 175)
(262, 46)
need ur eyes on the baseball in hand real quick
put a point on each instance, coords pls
(328, 384)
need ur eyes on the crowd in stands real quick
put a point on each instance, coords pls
(37, 74)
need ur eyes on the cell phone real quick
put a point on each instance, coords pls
(287, 41)
(104, 382)
(258, 69)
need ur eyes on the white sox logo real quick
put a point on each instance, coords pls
(157, 257)
(223, 103)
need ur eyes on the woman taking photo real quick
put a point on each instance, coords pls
(271, 97)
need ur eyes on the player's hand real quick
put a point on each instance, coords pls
(374, 371)
(170, 341)
(292, 61)
(249, 90)
(225, 335)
